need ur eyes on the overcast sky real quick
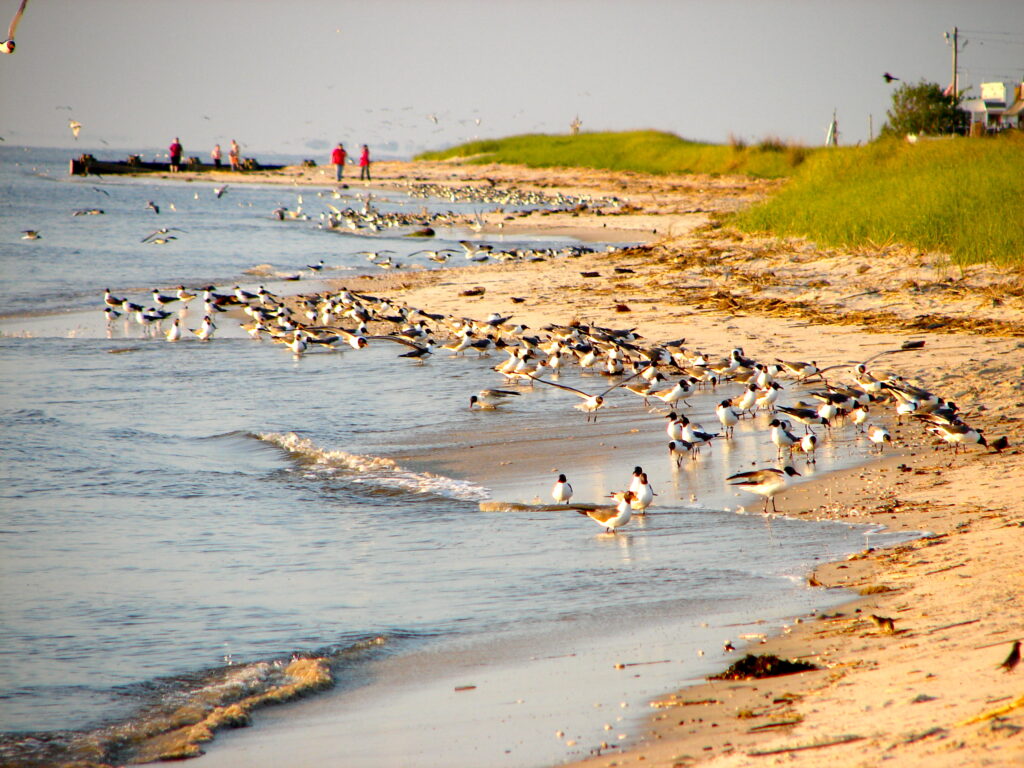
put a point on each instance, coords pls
(296, 76)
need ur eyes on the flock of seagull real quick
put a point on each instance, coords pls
(662, 374)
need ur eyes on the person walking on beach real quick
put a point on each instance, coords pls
(233, 155)
(215, 156)
(338, 158)
(364, 164)
(175, 153)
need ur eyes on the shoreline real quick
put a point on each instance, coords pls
(905, 695)
(871, 685)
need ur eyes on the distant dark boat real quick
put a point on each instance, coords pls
(87, 164)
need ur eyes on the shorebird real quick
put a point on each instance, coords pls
(764, 482)
(809, 444)
(958, 435)
(591, 403)
(561, 491)
(799, 370)
(782, 437)
(8, 45)
(805, 416)
(174, 332)
(153, 206)
(205, 331)
(75, 127)
(672, 395)
(677, 449)
(476, 252)
(219, 191)
(419, 351)
(612, 519)
(161, 300)
(156, 233)
(879, 436)
(728, 416)
(489, 399)
(30, 234)
(643, 495)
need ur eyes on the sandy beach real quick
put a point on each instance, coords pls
(925, 688)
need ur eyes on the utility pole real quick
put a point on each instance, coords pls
(956, 48)
(954, 81)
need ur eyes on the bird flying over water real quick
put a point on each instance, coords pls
(75, 127)
(8, 45)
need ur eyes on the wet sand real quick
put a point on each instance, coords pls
(930, 691)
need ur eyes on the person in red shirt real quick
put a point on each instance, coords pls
(364, 164)
(175, 153)
(338, 158)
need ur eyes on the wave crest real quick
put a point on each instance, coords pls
(373, 470)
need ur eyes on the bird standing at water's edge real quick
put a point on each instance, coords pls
(764, 482)
(612, 519)
(562, 491)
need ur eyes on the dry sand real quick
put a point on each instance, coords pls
(931, 691)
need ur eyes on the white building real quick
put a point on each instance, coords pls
(1000, 106)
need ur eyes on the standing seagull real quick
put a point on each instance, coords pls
(562, 491)
(612, 519)
(8, 44)
(764, 482)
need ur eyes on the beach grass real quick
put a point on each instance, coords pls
(962, 197)
(654, 152)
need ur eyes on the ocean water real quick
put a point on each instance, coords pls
(177, 520)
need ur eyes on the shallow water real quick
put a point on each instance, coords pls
(172, 511)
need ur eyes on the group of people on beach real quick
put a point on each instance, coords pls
(234, 155)
(339, 155)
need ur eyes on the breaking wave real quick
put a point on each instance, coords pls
(375, 471)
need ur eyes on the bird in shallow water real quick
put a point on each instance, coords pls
(615, 518)
(643, 495)
(764, 482)
(562, 491)
(489, 399)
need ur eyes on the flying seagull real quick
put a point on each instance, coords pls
(8, 44)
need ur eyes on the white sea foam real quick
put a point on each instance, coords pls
(374, 470)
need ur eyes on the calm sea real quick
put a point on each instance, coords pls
(174, 515)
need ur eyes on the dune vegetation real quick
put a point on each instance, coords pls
(959, 196)
(642, 151)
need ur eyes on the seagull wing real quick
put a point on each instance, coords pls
(400, 340)
(624, 381)
(16, 19)
(865, 362)
(577, 392)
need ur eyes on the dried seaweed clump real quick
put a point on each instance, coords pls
(752, 667)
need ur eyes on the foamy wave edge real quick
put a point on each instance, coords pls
(188, 715)
(375, 470)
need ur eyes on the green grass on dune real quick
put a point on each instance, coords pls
(642, 151)
(959, 196)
